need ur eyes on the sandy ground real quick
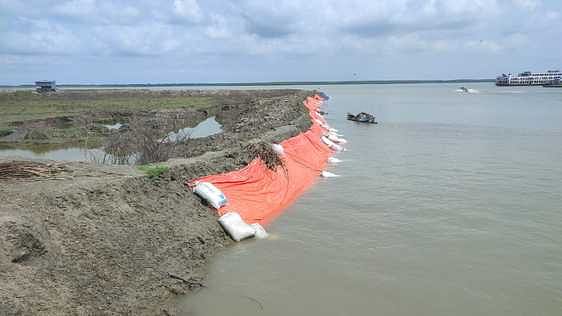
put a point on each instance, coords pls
(107, 240)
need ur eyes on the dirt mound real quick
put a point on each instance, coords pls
(107, 240)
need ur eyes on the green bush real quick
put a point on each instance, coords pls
(153, 171)
(5, 132)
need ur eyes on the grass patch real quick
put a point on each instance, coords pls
(153, 171)
(27, 105)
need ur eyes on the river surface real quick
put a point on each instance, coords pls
(452, 205)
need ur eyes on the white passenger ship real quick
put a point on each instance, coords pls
(528, 78)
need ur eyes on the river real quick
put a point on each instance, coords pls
(452, 205)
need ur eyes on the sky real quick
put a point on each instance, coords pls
(171, 41)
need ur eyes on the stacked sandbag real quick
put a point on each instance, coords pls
(260, 232)
(277, 148)
(236, 227)
(211, 194)
(331, 144)
(327, 174)
(335, 138)
(334, 160)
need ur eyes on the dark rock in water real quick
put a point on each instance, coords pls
(36, 135)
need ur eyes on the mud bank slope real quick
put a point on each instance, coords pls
(107, 240)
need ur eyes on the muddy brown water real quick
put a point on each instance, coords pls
(450, 206)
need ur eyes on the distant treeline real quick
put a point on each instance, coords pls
(277, 83)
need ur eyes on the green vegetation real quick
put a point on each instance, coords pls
(153, 171)
(5, 131)
(76, 116)
(28, 105)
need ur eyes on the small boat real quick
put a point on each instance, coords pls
(463, 89)
(362, 118)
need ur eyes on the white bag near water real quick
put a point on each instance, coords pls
(337, 134)
(259, 231)
(336, 139)
(236, 227)
(327, 174)
(211, 194)
(331, 144)
(278, 148)
(334, 160)
(321, 124)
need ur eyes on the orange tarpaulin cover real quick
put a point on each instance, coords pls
(259, 194)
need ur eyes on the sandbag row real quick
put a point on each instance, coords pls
(256, 194)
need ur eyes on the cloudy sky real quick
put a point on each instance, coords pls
(140, 41)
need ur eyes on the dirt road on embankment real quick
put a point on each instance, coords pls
(108, 240)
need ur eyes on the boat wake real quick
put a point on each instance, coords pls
(468, 90)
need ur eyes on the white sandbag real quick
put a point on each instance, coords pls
(235, 226)
(322, 124)
(259, 231)
(331, 144)
(327, 174)
(278, 149)
(335, 134)
(334, 160)
(211, 194)
(336, 139)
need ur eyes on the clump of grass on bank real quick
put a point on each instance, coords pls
(153, 171)
(5, 131)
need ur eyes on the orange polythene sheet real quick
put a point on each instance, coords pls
(259, 194)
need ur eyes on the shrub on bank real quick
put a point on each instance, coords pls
(153, 171)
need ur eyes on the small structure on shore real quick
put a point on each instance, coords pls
(45, 86)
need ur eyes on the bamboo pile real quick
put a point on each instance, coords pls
(27, 169)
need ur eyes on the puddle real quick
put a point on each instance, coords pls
(96, 155)
(208, 127)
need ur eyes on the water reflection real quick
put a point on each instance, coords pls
(206, 128)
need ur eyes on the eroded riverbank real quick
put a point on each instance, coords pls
(106, 239)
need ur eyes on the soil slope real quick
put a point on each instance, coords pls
(107, 240)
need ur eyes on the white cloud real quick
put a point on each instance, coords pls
(527, 4)
(290, 29)
(76, 8)
(188, 9)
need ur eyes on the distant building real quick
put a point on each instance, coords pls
(46, 86)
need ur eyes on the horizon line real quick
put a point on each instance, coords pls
(258, 83)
